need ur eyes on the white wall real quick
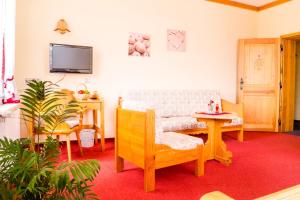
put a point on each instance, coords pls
(209, 61)
(279, 20)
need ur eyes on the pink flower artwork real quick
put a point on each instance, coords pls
(176, 40)
(139, 45)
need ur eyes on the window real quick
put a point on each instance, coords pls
(7, 49)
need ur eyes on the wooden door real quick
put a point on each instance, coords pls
(258, 83)
(288, 80)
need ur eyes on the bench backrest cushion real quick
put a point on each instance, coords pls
(170, 103)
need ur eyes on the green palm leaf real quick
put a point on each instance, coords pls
(37, 175)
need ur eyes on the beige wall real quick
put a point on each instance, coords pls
(209, 61)
(279, 20)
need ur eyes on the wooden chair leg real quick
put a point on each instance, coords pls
(32, 145)
(69, 147)
(96, 137)
(102, 141)
(199, 164)
(119, 164)
(79, 141)
(241, 135)
(149, 178)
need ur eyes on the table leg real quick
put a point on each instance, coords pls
(221, 153)
(95, 121)
(209, 150)
(68, 147)
(102, 126)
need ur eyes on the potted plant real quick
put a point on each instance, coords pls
(35, 173)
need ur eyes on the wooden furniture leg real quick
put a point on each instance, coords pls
(241, 135)
(199, 164)
(149, 159)
(79, 141)
(209, 150)
(119, 164)
(69, 147)
(32, 145)
(95, 121)
(149, 178)
(102, 126)
(221, 152)
(119, 160)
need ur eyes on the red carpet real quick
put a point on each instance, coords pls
(263, 164)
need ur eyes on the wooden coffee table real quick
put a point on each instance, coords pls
(215, 148)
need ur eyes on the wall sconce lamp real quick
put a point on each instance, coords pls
(62, 27)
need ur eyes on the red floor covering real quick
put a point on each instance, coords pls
(263, 164)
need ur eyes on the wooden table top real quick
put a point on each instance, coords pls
(90, 100)
(226, 116)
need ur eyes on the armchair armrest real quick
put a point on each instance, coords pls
(228, 106)
(135, 136)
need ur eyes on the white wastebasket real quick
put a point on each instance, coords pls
(87, 137)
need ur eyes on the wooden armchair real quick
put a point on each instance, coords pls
(238, 109)
(135, 142)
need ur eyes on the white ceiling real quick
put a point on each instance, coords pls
(256, 3)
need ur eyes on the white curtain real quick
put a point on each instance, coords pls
(7, 50)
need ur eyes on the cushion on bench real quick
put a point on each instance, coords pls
(170, 103)
(180, 123)
(174, 108)
(178, 141)
(234, 122)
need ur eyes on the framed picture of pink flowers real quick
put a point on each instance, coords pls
(176, 40)
(139, 44)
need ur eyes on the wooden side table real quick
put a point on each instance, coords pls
(215, 148)
(96, 105)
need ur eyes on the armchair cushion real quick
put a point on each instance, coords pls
(180, 123)
(234, 122)
(72, 122)
(178, 141)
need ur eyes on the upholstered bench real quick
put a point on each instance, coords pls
(174, 109)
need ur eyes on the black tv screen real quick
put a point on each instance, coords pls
(71, 58)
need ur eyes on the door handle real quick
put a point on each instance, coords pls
(241, 84)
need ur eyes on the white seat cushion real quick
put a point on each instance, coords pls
(180, 123)
(178, 141)
(234, 122)
(72, 122)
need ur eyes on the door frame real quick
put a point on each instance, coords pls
(287, 81)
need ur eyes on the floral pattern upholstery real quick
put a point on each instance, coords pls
(178, 141)
(169, 103)
(180, 123)
(173, 108)
(72, 122)
(234, 122)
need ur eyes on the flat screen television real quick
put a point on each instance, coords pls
(71, 58)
